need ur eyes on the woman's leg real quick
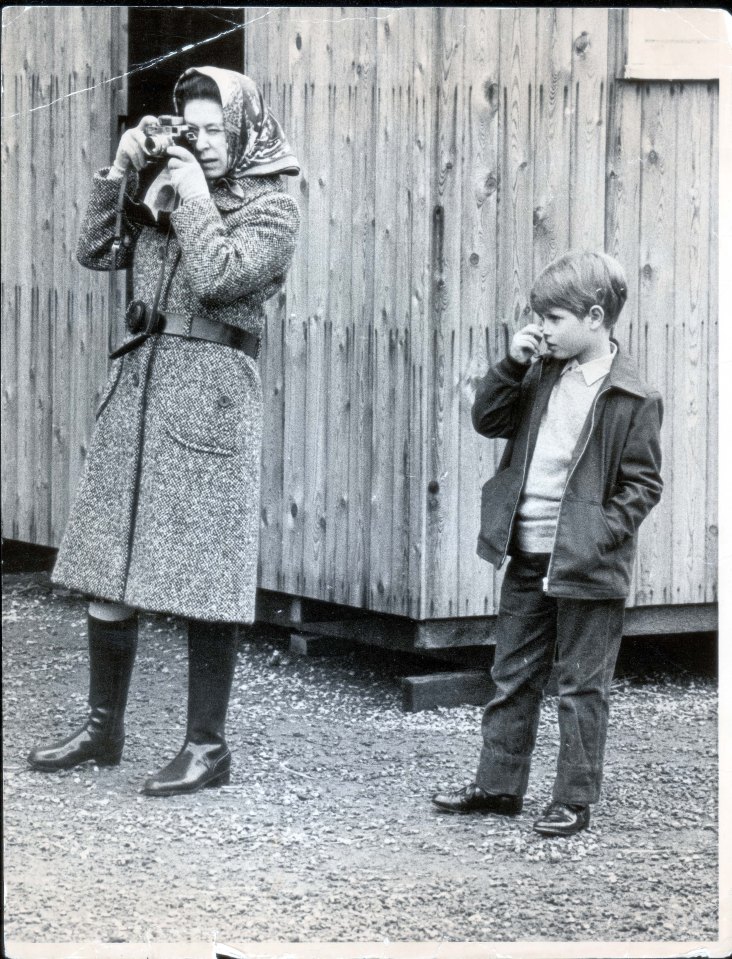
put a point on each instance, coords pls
(112, 631)
(205, 759)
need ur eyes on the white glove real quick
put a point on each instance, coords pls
(186, 175)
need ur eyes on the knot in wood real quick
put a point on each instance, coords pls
(653, 157)
(433, 487)
(582, 43)
(474, 259)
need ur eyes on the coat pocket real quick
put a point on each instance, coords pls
(204, 401)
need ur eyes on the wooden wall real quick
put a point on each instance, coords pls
(59, 103)
(447, 155)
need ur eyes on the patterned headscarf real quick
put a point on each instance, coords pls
(256, 144)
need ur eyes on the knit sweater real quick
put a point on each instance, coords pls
(568, 407)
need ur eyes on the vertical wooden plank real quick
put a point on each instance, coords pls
(688, 105)
(277, 69)
(386, 215)
(656, 306)
(295, 342)
(712, 355)
(362, 199)
(589, 114)
(552, 186)
(320, 160)
(401, 332)
(516, 152)
(477, 291)
(14, 105)
(443, 480)
(342, 145)
(420, 217)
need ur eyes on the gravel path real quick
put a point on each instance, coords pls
(326, 832)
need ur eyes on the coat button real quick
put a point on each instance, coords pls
(224, 401)
(135, 379)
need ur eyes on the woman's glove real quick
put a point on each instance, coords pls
(130, 151)
(186, 175)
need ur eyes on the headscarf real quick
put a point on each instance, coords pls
(256, 144)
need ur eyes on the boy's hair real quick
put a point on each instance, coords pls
(578, 281)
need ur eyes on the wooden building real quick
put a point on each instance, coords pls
(447, 155)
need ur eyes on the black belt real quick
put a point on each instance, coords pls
(192, 328)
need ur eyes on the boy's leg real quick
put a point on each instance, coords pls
(588, 641)
(525, 642)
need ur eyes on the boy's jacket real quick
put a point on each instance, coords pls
(613, 482)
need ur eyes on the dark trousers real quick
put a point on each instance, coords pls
(532, 627)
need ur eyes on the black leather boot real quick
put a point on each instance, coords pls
(204, 760)
(112, 649)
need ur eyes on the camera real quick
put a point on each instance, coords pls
(165, 132)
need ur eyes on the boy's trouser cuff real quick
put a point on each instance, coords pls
(502, 774)
(577, 784)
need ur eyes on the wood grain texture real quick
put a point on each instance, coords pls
(657, 346)
(688, 105)
(443, 403)
(711, 575)
(588, 105)
(478, 321)
(56, 316)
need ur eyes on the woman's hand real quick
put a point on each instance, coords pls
(186, 174)
(525, 344)
(130, 152)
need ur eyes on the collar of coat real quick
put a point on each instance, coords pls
(252, 187)
(623, 373)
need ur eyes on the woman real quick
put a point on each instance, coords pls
(166, 517)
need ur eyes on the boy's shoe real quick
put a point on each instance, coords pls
(563, 819)
(472, 798)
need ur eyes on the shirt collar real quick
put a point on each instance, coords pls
(593, 370)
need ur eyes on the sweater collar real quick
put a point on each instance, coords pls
(623, 373)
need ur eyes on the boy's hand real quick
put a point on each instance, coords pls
(525, 344)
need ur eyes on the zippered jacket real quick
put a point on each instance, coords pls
(613, 481)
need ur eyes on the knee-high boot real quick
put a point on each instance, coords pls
(112, 649)
(204, 760)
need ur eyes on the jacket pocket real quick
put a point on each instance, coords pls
(498, 501)
(585, 552)
(112, 381)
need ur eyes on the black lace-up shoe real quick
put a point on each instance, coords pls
(472, 798)
(563, 819)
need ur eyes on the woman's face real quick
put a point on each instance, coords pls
(205, 118)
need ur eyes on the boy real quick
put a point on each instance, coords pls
(579, 474)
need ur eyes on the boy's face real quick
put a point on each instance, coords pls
(567, 335)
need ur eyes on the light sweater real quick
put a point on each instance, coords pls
(568, 407)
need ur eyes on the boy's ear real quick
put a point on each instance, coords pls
(597, 317)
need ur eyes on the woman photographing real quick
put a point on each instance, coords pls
(166, 516)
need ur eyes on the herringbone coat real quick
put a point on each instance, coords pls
(166, 516)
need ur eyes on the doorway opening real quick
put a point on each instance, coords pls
(154, 33)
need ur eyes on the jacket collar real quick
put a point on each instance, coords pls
(623, 373)
(624, 376)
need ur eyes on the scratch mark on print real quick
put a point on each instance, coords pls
(184, 49)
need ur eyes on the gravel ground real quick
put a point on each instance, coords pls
(326, 832)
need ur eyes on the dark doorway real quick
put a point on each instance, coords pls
(157, 32)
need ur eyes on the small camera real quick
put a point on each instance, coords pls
(165, 132)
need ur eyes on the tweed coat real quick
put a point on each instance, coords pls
(166, 516)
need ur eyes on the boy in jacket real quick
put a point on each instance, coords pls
(580, 472)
